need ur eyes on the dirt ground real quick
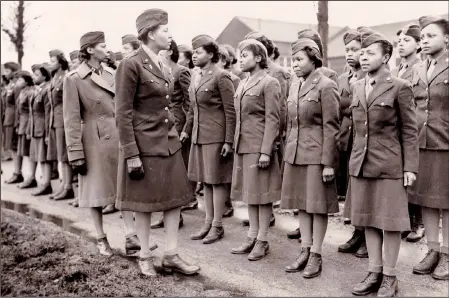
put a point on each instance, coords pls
(39, 259)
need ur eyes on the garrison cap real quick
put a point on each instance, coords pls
(313, 35)
(427, 20)
(91, 38)
(35, 67)
(253, 35)
(231, 52)
(13, 66)
(23, 74)
(223, 52)
(44, 68)
(368, 40)
(412, 30)
(365, 30)
(246, 42)
(351, 35)
(151, 18)
(184, 48)
(201, 40)
(302, 43)
(128, 38)
(118, 56)
(53, 53)
(74, 55)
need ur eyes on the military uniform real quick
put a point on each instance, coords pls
(22, 118)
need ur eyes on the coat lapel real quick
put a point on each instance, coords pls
(442, 65)
(251, 82)
(422, 71)
(360, 93)
(105, 81)
(310, 83)
(206, 77)
(382, 85)
(149, 65)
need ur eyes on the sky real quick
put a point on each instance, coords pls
(62, 23)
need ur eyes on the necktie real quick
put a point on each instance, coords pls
(369, 87)
(402, 70)
(431, 68)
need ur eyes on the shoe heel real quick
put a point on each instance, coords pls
(131, 253)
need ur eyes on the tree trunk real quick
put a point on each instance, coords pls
(20, 31)
(323, 26)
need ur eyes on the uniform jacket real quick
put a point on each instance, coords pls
(284, 79)
(23, 109)
(257, 107)
(385, 129)
(327, 72)
(313, 115)
(55, 95)
(39, 117)
(180, 102)
(12, 95)
(407, 75)
(145, 124)
(235, 80)
(344, 89)
(432, 99)
(211, 117)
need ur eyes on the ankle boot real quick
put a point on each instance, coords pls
(29, 183)
(246, 247)
(43, 190)
(389, 286)
(370, 284)
(260, 250)
(428, 264)
(416, 234)
(65, 195)
(314, 266)
(132, 245)
(147, 267)
(16, 178)
(353, 244)
(441, 272)
(362, 252)
(300, 263)
(215, 234)
(296, 234)
(176, 264)
(201, 233)
(104, 247)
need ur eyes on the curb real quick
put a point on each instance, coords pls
(64, 223)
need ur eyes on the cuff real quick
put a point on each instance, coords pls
(130, 150)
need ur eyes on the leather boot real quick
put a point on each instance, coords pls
(201, 233)
(132, 245)
(109, 209)
(296, 234)
(347, 221)
(16, 178)
(191, 206)
(147, 267)
(245, 222)
(416, 234)
(56, 193)
(245, 248)
(389, 286)
(104, 247)
(29, 183)
(362, 252)
(43, 190)
(176, 264)
(314, 266)
(428, 264)
(215, 234)
(76, 204)
(229, 210)
(65, 195)
(300, 263)
(260, 250)
(54, 174)
(441, 272)
(370, 284)
(353, 244)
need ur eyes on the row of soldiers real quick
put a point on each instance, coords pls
(365, 116)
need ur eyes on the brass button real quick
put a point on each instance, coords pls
(166, 108)
(350, 127)
(82, 121)
(366, 136)
(425, 123)
(101, 118)
(167, 97)
(427, 89)
(151, 81)
(427, 100)
(366, 123)
(382, 104)
(427, 112)
(445, 81)
(296, 118)
(166, 120)
(206, 90)
(365, 148)
(166, 84)
(108, 137)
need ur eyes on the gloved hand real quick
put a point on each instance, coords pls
(79, 167)
(135, 168)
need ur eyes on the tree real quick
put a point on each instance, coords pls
(18, 27)
(323, 26)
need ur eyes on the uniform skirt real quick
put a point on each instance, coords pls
(431, 188)
(208, 166)
(377, 203)
(254, 185)
(52, 154)
(164, 187)
(61, 146)
(10, 138)
(303, 188)
(23, 146)
(38, 150)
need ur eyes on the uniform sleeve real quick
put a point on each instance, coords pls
(272, 93)
(409, 128)
(47, 111)
(331, 125)
(126, 80)
(184, 81)
(72, 119)
(334, 77)
(190, 115)
(33, 95)
(283, 80)
(226, 89)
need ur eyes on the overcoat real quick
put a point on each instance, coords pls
(57, 146)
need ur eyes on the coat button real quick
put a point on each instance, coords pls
(427, 112)
(166, 108)
(445, 81)
(427, 100)
(166, 84)
(167, 97)
(166, 120)
(206, 90)
(82, 122)
(308, 99)
(366, 123)
(425, 123)
(107, 137)
(296, 118)
(101, 118)
(366, 136)
(151, 81)
(350, 127)
(382, 104)
(427, 89)
(365, 148)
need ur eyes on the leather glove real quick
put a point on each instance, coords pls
(135, 168)
(79, 167)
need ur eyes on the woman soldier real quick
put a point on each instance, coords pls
(431, 89)
(37, 126)
(57, 148)
(311, 153)
(210, 125)
(151, 173)
(409, 49)
(256, 175)
(383, 162)
(233, 67)
(74, 59)
(352, 40)
(185, 56)
(130, 45)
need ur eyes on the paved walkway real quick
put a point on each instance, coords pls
(262, 278)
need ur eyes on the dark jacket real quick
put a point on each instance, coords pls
(179, 101)
(12, 95)
(23, 109)
(407, 75)
(38, 123)
(284, 79)
(55, 95)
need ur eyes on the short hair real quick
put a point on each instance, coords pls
(62, 60)
(444, 25)
(44, 71)
(212, 48)
(28, 79)
(258, 51)
(83, 55)
(276, 53)
(188, 55)
(267, 43)
(5, 80)
(312, 54)
(387, 48)
(174, 52)
(231, 53)
(224, 55)
(135, 44)
(143, 36)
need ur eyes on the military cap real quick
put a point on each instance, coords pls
(412, 30)
(151, 18)
(35, 67)
(44, 68)
(313, 35)
(53, 53)
(184, 48)
(223, 52)
(350, 36)
(368, 40)
(231, 52)
(74, 55)
(427, 20)
(13, 66)
(118, 56)
(201, 40)
(91, 38)
(128, 38)
(253, 35)
(302, 43)
(364, 29)
(246, 42)
(23, 74)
